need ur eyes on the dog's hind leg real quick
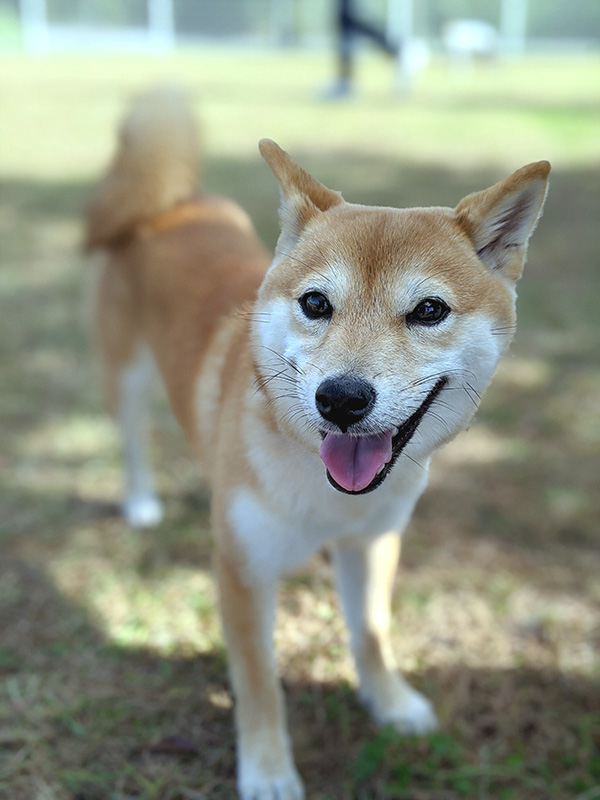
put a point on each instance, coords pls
(141, 505)
(365, 574)
(127, 373)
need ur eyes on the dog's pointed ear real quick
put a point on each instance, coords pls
(500, 220)
(302, 196)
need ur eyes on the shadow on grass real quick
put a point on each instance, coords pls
(91, 720)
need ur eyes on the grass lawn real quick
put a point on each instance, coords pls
(112, 671)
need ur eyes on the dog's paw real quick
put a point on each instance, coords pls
(415, 717)
(401, 706)
(253, 785)
(142, 510)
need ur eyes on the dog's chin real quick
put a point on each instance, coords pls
(405, 433)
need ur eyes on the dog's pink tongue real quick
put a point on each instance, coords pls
(353, 462)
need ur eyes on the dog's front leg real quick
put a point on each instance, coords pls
(265, 765)
(365, 573)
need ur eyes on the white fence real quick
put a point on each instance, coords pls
(160, 25)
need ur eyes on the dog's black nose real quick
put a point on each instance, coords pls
(344, 400)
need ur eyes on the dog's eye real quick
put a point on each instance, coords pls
(315, 305)
(430, 311)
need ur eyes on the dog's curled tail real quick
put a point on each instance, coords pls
(154, 168)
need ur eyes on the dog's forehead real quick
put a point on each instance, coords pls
(375, 240)
(385, 257)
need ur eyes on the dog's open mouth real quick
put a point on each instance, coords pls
(359, 464)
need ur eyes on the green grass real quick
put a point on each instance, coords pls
(112, 670)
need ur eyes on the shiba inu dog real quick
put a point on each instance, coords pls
(313, 387)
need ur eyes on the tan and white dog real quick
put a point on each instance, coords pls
(314, 388)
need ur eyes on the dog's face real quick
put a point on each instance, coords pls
(377, 330)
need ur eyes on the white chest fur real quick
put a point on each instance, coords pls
(296, 511)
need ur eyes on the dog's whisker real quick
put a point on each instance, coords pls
(285, 359)
(262, 381)
(474, 390)
(404, 454)
(467, 390)
(251, 315)
(281, 375)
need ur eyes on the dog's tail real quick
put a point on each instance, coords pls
(154, 168)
